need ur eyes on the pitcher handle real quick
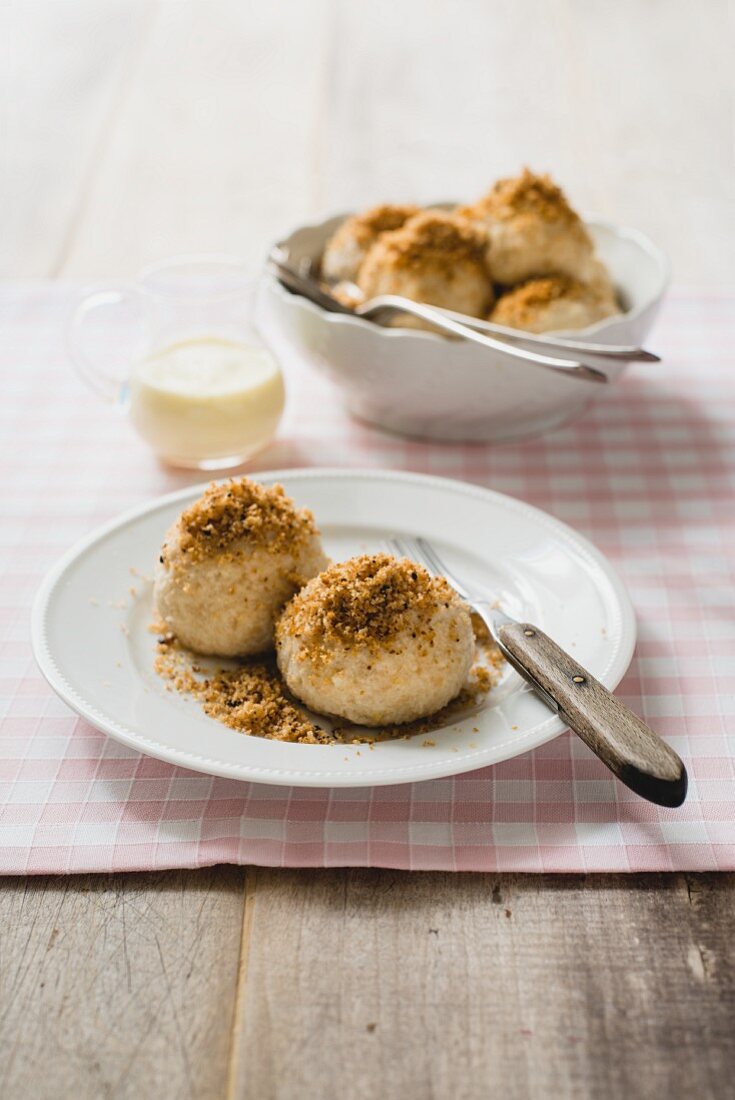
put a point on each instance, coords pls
(103, 383)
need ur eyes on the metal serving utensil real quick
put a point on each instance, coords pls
(629, 748)
(306, 285)
(301, 280)
(627, 353)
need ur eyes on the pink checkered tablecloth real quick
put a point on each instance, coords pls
(648, 475)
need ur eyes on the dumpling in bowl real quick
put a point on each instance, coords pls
(349, 246)
(554, 304)
(532, 230)
(435, 258)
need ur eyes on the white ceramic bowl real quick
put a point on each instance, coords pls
(424, 385)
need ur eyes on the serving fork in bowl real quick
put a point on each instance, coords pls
(626, 745)
(517, 344)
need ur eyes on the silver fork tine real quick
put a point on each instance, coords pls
(407, 547)
(419, 550)
(397, 548)
(436, 565)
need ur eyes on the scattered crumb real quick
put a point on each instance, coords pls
(428, 743)
(94, 602)
(132, 592)
(253, 698)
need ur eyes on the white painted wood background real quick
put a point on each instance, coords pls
(134, 129)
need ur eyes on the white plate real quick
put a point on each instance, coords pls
(92, 643)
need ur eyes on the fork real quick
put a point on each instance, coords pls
(304, 284)
(630, 749)
(301, 279)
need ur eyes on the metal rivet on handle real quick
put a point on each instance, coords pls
(529, 633)
(578, 679)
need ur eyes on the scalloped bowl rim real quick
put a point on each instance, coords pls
(637, 236)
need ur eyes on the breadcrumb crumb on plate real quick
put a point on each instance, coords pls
(251, 696)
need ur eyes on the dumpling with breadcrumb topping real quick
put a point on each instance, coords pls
(435, 258)
(348, 247)
(554, 304)
(375, 640)
(230, 563)
(532, 230)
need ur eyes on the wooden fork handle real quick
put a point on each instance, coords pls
(630, 748)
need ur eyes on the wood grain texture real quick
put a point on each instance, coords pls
(622, 740)
(370, 984)
(118, 986)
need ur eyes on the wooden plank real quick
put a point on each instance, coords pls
(214, 146)
(63, 67)
(118, 986)
(377, 984)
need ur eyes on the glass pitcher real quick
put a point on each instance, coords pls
(199, 384)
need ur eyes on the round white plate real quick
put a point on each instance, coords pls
(92, 642)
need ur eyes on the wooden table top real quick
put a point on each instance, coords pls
(134, 129)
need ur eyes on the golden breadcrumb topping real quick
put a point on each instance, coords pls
(521, 304)
(434, 238)
(243, 509)
(527, 193)
(365, 227)
(365, 600)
